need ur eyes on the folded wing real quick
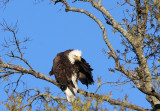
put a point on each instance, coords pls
(85, 72)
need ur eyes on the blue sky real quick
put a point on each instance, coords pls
(52, 30)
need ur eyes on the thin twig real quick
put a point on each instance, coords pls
(43, 95)
(17, 82)
(116, 84)
(25, 61)
(8, 73)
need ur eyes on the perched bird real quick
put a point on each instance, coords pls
(68, 67)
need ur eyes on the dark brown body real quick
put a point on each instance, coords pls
(63, 70)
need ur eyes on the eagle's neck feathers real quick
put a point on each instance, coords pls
(71, 59)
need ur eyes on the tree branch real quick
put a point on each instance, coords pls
(28, 71)
(115, 24)
(113, 101)
(99, 2)
(88, 94)
(8, 73)
(17, 82)
(128, 1)
(112, 53)
(25, 61)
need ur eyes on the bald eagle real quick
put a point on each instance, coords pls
(68, 67)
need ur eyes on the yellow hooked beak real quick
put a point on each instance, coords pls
(78, 58)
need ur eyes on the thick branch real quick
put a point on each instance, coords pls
(31, 72)
(113, 101)
(88, 94)
(114, 23)
(100, 25)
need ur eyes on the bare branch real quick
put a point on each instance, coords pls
(3, 3)
(32, 89)
(7, 28)
(115, 84)
(113, 101)
(42, 76)
(8, 73)
(25, 61)
(115, 24)
(99, 2)
(128, 1)
(17, 83)
(31, 72)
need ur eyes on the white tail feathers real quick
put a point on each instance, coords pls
(70, 96)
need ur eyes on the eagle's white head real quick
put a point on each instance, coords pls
(74, 55)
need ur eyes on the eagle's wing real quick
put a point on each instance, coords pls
(85, 72)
